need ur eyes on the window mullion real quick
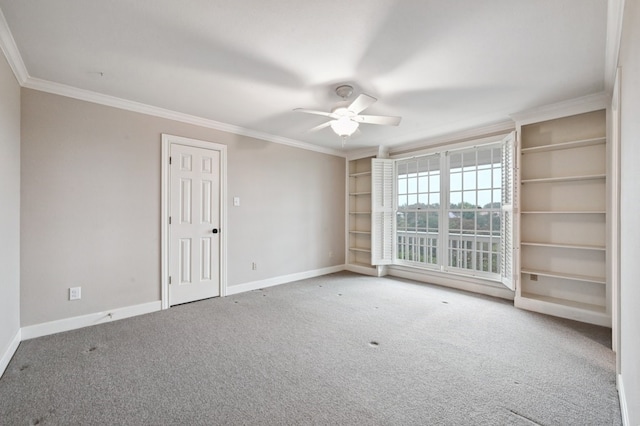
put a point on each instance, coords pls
(476, 211)
(443, 229)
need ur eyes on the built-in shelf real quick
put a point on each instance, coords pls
(565, 179)
(564, 145)
(566, 246)
(564, 220)
(563, 275)
(358, 235)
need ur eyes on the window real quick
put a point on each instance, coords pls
(418, 210)
(474, 214)
(450, 211)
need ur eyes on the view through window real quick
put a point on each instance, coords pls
(449, 210)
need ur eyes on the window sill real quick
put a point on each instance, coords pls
(452, 279)
(490, 279)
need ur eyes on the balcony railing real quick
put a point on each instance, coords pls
(466, 251)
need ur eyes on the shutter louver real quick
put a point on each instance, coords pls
(508, 202)
(382, 220)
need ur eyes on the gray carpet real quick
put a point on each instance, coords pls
(342, 349)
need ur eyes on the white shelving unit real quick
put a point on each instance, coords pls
(359, 216)
(563, 221)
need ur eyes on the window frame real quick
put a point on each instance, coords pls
(444, 172)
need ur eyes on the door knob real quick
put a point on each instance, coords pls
(215, 230)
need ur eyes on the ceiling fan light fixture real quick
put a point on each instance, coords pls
(345, 115)
(344, 126)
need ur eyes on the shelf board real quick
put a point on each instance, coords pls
(564, 212)
(362, 250)
(577, 311)
(567, 246)
(362, 268)
(564, 145)
(359, 212)
(360, 193)
(566, 303)
(565, 179)
(360, 232)
(367, 173)
(362, 265)
(563, 275)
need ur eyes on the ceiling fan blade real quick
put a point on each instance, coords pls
(377, 119)
(320, 127)
(361, 103)
(312, 111)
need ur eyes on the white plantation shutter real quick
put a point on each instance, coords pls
(507, 228)
(382, 220)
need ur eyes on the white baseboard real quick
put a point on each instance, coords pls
(624, 408)
(283, 279)
(8, 353)
(67, 324)
(52, 327)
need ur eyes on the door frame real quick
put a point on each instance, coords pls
(613, 220)
(165, 199)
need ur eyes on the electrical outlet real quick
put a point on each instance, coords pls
(254, 266)
(534, 277)
(330, 254)
(75, 293)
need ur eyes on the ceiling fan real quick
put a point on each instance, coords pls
(346, 115)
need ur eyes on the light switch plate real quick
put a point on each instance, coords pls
(75, 293)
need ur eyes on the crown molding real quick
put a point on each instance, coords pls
(112, 101)
(11, 52)
(615, 15)
(580, 105)
(362, 153)
(497, 128)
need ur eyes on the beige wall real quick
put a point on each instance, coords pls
(629, 208)
(91, 206)
(9, 206)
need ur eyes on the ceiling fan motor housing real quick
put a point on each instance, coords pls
(344, 91)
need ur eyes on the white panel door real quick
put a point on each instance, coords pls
(194, 234)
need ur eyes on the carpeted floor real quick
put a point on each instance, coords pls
(342, 349)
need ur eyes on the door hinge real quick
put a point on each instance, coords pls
(169, 220)
(169, 279)
(169, 160)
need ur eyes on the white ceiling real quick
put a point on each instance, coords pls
(442, 65)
